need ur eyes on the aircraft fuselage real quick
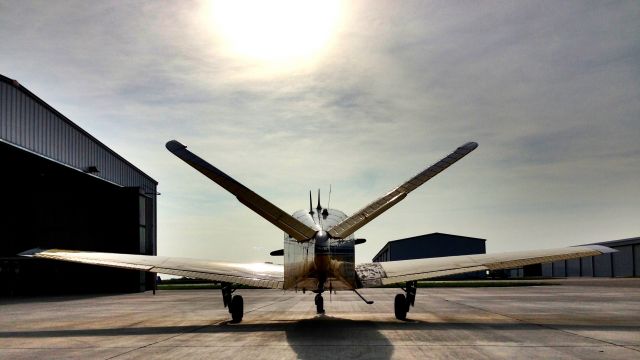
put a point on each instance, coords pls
(322, 263)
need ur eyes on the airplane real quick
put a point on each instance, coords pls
(319, 248)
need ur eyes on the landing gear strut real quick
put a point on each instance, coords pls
(402, 303)
(319, 303)
(235, 303)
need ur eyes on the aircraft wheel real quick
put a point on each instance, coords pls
(236, 308)
(319, 304)
(400, 307)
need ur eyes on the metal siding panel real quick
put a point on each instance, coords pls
(3, 108)
(602, 265)
(50, 131)
(3, 111)
(76, 148)
(65, 143)
(57, 148)
(26, 122)
(623, 261)
(55, 141)
(7, 103)
(59, 140)
(547, 269)
(18, 117)
(636, 259)
(82, 151)
(45, 133)
(55, 136)
(11, 115)
(22, 120)
(103, 162)
(587, 266)
(68, 143)
(14, 116)
(40, 135)
(573, 267)
(32, 125)
(37, 125)
(42, 131)
(559, 268)
(26, 118)
(35, 113)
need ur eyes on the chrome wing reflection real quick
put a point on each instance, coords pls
(250, 199)
(256, 274)
(361, 217)
(390, 272)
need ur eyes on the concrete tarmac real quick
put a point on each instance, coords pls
(579, 319)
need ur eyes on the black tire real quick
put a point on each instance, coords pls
(319, 304)
(400, 307)
(236, 308)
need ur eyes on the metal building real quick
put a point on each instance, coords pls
(430, 245)
(63, 188)
(623, 263)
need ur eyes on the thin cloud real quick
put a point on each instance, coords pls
(550, 91)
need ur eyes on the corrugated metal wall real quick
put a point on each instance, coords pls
(624, 263)
(430, 245)
(28, 122)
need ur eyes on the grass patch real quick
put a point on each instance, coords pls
(477, 283)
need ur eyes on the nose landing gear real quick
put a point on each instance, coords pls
(319, 303)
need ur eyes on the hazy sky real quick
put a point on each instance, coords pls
(360, 95)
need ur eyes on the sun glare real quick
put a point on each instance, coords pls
(276, 31)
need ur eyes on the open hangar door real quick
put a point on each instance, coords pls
(60, 187)
(49, 205)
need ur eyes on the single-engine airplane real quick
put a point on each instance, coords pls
(319, 247)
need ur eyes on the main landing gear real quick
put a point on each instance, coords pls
(235, 303)
(402, 303)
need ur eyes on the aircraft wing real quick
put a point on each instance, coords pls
(257, 274)
(250, 199)
(390, 272)
(361, 217)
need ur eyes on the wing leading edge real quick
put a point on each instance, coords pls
(391, 272)
(363, 216)
(250, 199)
(255, 274)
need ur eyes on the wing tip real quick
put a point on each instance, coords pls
(175, 145)
(471, 145)
(31, 252)
(601, 249)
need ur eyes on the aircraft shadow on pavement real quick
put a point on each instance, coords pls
(324, 327)
(315, 337)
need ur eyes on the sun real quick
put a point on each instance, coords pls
(275, 31)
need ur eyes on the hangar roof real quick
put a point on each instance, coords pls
(621, 242)
(15, 84)
(426, 237)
